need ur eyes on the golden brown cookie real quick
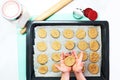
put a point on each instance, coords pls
(80, 34)
(69, 61)
(41, 46)
(56, 57)
(68, 33)
(56, 45)
(55, 33)
(42, 58)
(92, 32)
(85, 56)
(83, 69)
(94, 45)
(94, 57)
(69, 45)
(93, 68)
(82, 45)
(42, 33)
(54, 68)
(43, 69)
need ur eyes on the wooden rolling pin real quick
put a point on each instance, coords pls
(50, 11)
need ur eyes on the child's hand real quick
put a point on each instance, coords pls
(77, 67)
(62, 67)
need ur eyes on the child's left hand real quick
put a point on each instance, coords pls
(62, 67)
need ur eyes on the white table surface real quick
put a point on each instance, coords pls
(107, 9)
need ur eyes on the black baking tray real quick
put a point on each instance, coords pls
(30, 75)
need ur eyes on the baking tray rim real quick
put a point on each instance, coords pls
(29, 39)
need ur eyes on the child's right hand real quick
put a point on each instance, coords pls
(77, 67)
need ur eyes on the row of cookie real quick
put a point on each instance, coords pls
(69, 33)
(43, 58)
(93, 68)
(44, 69)
(69, 44)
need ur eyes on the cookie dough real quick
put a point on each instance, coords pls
(43, 69)
(42, 59)
(56, 45)
(94, 45)
(55, 33)
(92, 32)
(94, 57)
(41, 46)
(56, 57)
(85, 56)
(68, 33)
(69, 61)
(93, 68)
(80, 34)
(42, 33)
(55, 69)
(69, 45)
(82, 45)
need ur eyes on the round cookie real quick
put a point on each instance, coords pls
(56, 45)
(80, 34)
(41, 46)
(94, 57)
(42, 33)
(92, 32)
(68, 33)
(93, 68)
(82, 45)
(83, 69)
(69, 61)
(54, 68)
(94, 45)
(85, 56)
(43, 69)
(42, 58)
(69, 45)
(55, 33)
(56, 57)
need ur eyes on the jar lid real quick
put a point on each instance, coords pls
(77, 13)
(11, 10)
